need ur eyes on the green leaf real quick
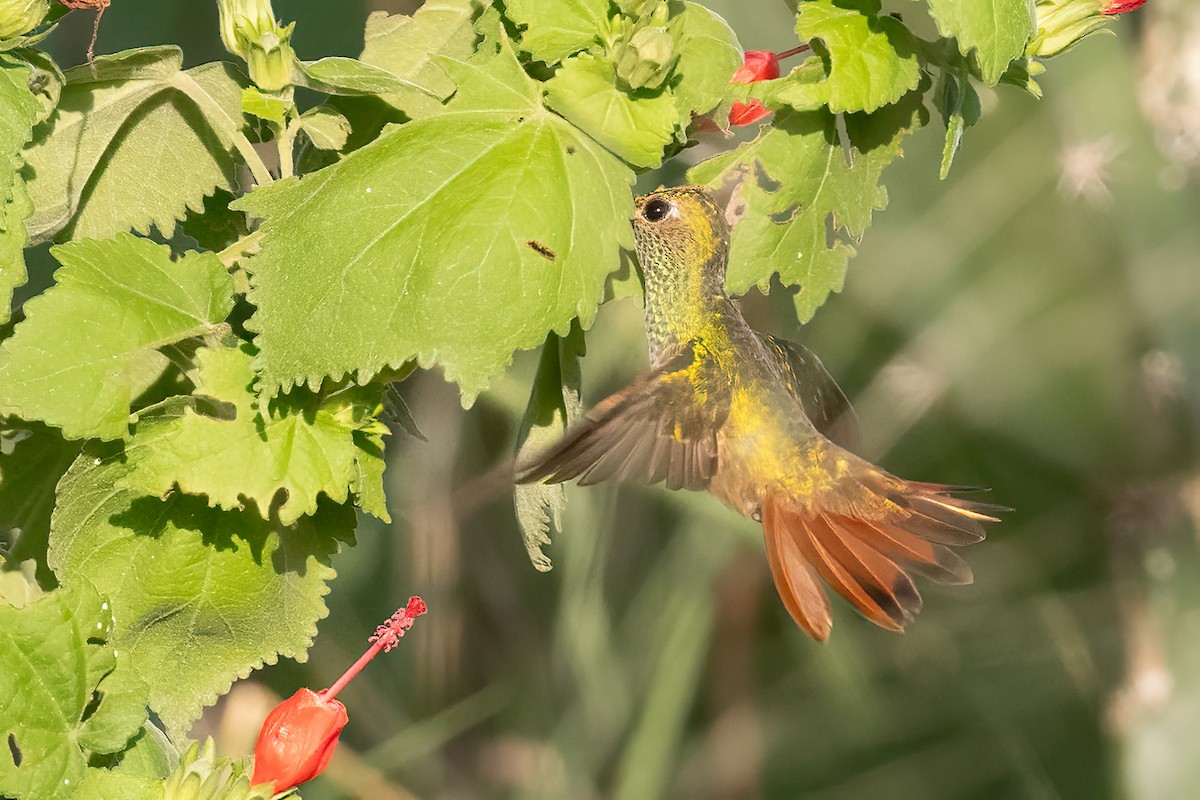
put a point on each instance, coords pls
(455, 239)
(708, 55)
(201, 596)
(406, 47)
(131, 147)
(870, 60)
(349, 76)
(57, 656)
(995, 31)
(554, 405)
(555, 29)
(263, 106)
(103, 784)
(16, 123)
(806, 200)
(958, 103)
(326, 128)
(302, 445)
(635, 127)
(28, 475)
(12, 245)
(88, 343)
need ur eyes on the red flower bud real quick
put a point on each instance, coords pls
(297, 740)
(1122, 6)
(757, 65)
(298, 736)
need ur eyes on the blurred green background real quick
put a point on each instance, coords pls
(1032, 324)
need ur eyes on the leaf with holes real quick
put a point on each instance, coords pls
(66, 696)
(806, 200)
(201, 596)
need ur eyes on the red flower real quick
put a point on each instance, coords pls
(757, 65)
(299, 735)
(1122, 6)
(297, 740)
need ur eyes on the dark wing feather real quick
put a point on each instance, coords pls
(663, 427)
(823, 400)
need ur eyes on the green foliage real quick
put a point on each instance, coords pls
(88, 346)
(993, 32)
(66, 695)
(203, 595)
(300, 446)
(805, 184)
(193, 410)
(554, 404)
(90, 155)
(544, 205)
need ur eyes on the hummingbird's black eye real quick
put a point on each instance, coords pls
(656, 210)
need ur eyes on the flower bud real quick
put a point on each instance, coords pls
(250, 31)
(757, 65)
(297, 739)
(21, 16)
(1062, 24)
(646, 58)
(299, 735)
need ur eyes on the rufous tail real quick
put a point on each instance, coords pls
(867, 557)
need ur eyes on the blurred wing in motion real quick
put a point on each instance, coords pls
(663, 427)
(866, 556)
(823, 400)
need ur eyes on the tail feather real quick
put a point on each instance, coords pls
(795, 579)
(866, 557)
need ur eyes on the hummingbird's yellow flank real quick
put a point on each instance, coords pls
(749, 417)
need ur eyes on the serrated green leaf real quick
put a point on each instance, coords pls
(635, 127)
(551, 30)
(406, 47)
(57, 654)
(995, 31)
(302, 445)
(12, 245)
(326, 128)
(87, 343)
(554, 405)
(958, 103)
(94, 174)
(28, 475)
(870, 60)
(455, 239)
(806, 203)
(708, 54)
(16, 123)
(201, 596)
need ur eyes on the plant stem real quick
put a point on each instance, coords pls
(229, 129)
(794, 51)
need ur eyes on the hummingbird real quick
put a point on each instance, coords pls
(758, 422)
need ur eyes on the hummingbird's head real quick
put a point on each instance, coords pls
(682, 238)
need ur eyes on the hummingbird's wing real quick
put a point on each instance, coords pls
(823, 400)
(663, 427)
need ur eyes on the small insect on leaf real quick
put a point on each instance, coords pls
(541, 249)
